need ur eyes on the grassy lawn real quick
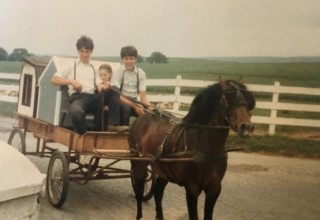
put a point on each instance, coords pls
(278, 144)
(10, 67)
(301, 74)
(289, 74)
(8, 109)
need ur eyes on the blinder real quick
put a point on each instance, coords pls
(238, 92)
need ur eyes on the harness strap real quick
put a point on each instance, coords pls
(177, 140)
(164, 142)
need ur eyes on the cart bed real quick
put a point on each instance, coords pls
(89, 143)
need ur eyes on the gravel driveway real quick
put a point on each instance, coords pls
(255, 187)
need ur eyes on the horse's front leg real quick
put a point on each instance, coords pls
(192, 202)
(139, 172)
(210, 201)
(158, 191)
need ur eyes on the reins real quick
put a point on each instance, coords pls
(145, 108)
(205, 126)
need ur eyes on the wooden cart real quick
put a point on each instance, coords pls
(65, 166)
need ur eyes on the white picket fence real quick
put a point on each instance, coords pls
(9, 76)
(6, 89)
(274, 105)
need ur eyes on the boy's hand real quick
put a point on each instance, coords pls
(150, 107)
(99, 87)
(139, 109)
(76, 85)
(106, 85)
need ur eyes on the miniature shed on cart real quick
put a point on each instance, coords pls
(53, 99)
(31, 71)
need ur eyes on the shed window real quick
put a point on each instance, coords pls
(27, 89)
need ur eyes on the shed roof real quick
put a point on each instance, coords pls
(39, 63)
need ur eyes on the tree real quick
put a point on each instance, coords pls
(157, 57)
(3, 54)
(140, 59)
(18, 54)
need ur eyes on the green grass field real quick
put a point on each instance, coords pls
(10, 67)
(8, 109)
(289, 74)
(301, 74)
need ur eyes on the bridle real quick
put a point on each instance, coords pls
(225, 107)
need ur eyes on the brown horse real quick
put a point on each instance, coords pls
(200, 136)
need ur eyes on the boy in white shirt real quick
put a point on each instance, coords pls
(82, 82)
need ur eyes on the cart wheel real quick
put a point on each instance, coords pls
(57, 179)
(148, 184)
(17, 140)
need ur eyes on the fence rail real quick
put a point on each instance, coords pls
(12, 76)
(6, 89)
(274, 105)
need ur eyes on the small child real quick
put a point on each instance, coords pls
(105, 73)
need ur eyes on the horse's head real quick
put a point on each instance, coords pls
(236, 103)
(227, 103)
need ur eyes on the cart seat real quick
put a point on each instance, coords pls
(65, 116)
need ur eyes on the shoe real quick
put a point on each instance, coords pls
(118, 128)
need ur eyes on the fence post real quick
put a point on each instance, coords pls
(275, 99)
(177, 89)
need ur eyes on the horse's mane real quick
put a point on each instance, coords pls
(208, 101)
(203, 105)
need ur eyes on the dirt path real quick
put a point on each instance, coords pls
(255, 187)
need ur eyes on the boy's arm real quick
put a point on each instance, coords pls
(137, 108)
(145, 101)
(143, 90)
(61, 78)
(60, 81)
(143, 98)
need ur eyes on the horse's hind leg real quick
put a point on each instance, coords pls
(192, 202)
(210, 201)
(139, 172)
(158, 191)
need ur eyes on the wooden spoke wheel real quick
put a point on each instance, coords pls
(150, 180)
(17, 140)
(57, 179)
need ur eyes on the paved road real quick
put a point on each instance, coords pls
(255, 187)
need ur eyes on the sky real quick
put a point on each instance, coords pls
(176, 28)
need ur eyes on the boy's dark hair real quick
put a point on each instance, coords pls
(106, 67)
(85, 42)
(129, 51)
